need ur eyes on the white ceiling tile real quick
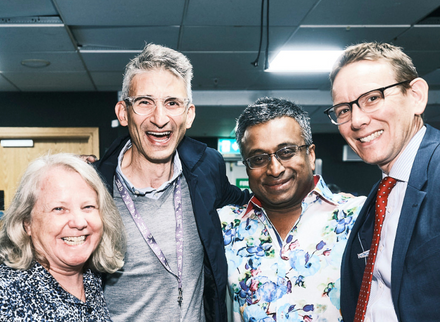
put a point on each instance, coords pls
(245, 12)
(26, 8)
(126, 37)
(424, 38)
(45, 82)
(107, 62)
(59, 61)
(230, 38)
(117, 13)
(371, 12)
(35, 39)
(340, 37)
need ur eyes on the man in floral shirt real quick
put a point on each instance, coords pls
(284, 248)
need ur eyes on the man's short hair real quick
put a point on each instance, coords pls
(400, 62)
(268, 108)
(158, 57)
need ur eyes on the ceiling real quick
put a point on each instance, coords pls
(89, 42)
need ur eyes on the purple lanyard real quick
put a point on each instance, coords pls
(149, 237)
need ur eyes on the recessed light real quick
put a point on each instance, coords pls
(35, 63)
(304, 61)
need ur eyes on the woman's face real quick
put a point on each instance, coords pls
(66, 225)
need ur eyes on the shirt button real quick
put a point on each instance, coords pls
(380, 285)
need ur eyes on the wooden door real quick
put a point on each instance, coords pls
(14, 161)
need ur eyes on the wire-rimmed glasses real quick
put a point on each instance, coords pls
(145, 105)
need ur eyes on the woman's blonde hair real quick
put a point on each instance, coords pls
(16, 249)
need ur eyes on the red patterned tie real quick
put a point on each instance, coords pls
(385, 187)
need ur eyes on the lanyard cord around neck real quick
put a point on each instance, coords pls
(149, 237)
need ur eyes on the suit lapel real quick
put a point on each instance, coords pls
(352, 267)
(407, 221)
(412, 203)
(363, 228)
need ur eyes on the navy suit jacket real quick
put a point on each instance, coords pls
(205, 172)
(415, 267)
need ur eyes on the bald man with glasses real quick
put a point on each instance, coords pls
(284, 248)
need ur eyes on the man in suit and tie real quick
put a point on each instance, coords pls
(390, 268)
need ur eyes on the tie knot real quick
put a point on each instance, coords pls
(386, 185)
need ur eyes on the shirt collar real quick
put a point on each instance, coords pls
(320, 191)
(401, 170)
(177, 171)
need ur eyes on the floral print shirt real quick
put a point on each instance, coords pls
(35, 295)
(296, 279)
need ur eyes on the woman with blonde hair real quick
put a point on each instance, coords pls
(61, 230)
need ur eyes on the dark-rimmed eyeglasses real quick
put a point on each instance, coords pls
(284, 154)
(368, 102)
(145, 105)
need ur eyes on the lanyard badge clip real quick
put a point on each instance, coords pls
(180, 297)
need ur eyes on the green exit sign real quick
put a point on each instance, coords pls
(242, 183)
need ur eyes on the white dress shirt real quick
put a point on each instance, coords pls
(380, 306)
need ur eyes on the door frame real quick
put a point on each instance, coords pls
(89, 133)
